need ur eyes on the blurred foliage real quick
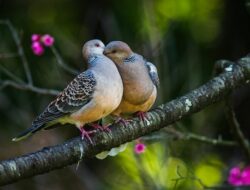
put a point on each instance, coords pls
(152, 169)
(182, 37)
(191, 14)
(209, 171)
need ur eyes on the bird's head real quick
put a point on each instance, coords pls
(92, 47)
(117, 50)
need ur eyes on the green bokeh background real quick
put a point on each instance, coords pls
(182, 37)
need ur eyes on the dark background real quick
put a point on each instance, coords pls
(183, 38)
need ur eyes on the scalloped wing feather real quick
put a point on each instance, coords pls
(77, 94)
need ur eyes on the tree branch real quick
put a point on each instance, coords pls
(59, 156)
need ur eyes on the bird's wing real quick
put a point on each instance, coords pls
(152, 70)
(77, 94)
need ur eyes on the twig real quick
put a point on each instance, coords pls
(235, 126)
(8, 55)
(187, 136)
(196, 137)
(11, 75)
(17, 82)
(204, 186)
(19, 49)
(59, 156)
(225, 65)
(6, 83)
(192, 177)
(61, 62)
(204, 139)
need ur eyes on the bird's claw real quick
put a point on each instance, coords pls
(123, 121)
(142, 116)
(106, 128)
(96, 126)
(86, 134)
(101, 128)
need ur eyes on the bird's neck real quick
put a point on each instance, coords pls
(91, 59)
(102, 64)
(130, 59)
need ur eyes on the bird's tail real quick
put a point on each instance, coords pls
(25, 134)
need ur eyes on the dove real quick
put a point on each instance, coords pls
(140, 79)
(140, 83)
(92, 95)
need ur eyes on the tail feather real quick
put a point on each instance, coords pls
(28, 132)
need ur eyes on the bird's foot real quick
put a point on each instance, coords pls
(100, 127)
(106, 128)
(123, 121)
(142, 116)
(96, 126)
(86, 134)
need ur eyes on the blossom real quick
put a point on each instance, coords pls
(234, 177)
(35, 37)
(246, 176)
(39, 42)
(238, 177)
(47, 40)
(139, 148)
(37, 48)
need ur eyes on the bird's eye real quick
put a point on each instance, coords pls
(114, 51)
(97, 45)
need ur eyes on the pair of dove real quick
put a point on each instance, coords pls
(117, 82)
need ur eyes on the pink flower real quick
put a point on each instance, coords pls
(39, 41)
(238, 177)
(47, 40)
(234, 177)
(37, 48)
(35, 37)
(140, 148)
(246, 176)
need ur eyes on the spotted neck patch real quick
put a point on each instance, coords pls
(130, 59)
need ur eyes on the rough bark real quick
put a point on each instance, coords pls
(55, 157)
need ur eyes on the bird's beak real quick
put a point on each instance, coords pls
(105, 52)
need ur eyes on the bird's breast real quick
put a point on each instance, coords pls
(106, 97)
(137, 92)
(129, 108)
(136, 82)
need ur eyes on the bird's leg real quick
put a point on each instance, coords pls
(86, 134)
